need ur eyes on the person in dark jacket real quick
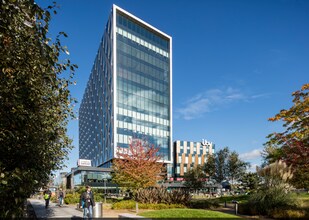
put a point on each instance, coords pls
(47, 194)
(87, 202)
(60, 197)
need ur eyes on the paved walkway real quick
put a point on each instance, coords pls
(54, 211)
(68, 211)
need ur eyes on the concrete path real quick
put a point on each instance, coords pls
(70, 211)
(54, 211)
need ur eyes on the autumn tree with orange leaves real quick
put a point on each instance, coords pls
(292, 145)
(137, 166)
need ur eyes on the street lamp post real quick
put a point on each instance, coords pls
(105, 190)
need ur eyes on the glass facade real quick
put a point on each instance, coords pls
(87, 177)
(143, 85)
(135, 58)
(96, 136)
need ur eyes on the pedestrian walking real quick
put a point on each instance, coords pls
(46, 195)
(60, 197)
(87, 203)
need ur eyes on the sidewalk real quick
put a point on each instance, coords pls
(54, 211)
(68, 211)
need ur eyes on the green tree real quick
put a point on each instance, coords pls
(195, 178)
(236, 168)
(250, 181)
(224, 165)
(35, 103)
(221, 164)
(210, 166)
(292, 145)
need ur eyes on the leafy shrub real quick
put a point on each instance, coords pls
(80, 189)
(267, 200)
(113, 200)
(125, 204)
(179, 196)
(161, 195)
(247, 209)
(130, 204)
(204, 204)
(98, 197)
(53, 199)
(274, 192)
(72, 198)
(287, 213)
(160, 206)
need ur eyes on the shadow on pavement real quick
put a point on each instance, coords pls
(76, 217)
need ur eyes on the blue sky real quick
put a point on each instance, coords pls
(235, 62)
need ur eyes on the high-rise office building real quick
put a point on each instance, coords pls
(129, 92)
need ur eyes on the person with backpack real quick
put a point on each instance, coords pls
(87, 202)
(60, 197)
(47, 194)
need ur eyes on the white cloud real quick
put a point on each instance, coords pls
(260, 96)
(254, 154)
(195, 108)
(211, 100)
(252, 168)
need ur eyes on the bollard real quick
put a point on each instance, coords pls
(236, 206)
(136, 207)
(225, 203)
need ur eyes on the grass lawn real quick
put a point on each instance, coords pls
(223, 198)
(240, 198)
(304, 197)
(186, 213)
